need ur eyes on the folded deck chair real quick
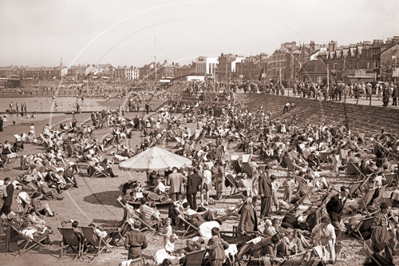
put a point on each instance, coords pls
(28, 242)
(195, 258)
(93, 240)
(70, 240)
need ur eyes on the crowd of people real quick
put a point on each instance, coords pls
(309, 212)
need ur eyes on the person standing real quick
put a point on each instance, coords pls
(16, 106)
(248, 219)
(380, 237)
(176, 182)
(8, 196)
(135, 241)
(216, 247)
(334, 209)
(1, 124)
(206, 185)
(265, 192)
(395, 95)
(193, 183)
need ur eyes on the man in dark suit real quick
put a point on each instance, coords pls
(135, 241)
(176, 182)
(265, 191)
(248, 219)
(6, 209)
(334, 209)
(193, 182)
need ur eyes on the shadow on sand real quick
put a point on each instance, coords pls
(104, 198)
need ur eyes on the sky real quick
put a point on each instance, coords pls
(130, 32)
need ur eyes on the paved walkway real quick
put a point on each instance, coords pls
(362, 100)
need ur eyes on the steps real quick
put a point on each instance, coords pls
(359, 118)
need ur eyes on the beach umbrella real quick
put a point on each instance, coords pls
(154, 159)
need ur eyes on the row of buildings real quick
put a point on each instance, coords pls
(375, 60)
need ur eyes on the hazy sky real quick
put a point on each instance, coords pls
(122, 32)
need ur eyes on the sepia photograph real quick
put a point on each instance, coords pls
(199, 132)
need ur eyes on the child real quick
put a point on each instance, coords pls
(216, 247)
(167, 230)
(160, 188)
(275, 186)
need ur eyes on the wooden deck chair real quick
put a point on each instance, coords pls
(93, 240)
(99, 173)
(362, 226)
(29, 243)
(369, 253)
(18, 145)
(189, 225)
(195, 258)
(70, 240)
(69, 149)
(137, 216)
(7, 160)
(234, 185)
(324, 156)
(352, 169)
(388, 180)
(343, 154)
(353, 187)
(3, 165)
(137, 262)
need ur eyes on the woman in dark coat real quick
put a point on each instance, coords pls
(1, 124)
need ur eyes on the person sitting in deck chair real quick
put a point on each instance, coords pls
(49, 192)
(39, 207)
(148, 214)
(35, 221)
(197, 218)
(19, 141)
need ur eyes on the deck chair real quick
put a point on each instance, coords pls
(324, 156)
(376, 258)
(195, 258)
(70, 240)
(135, 262)
(18, 145)
(388, 180)
(8, 160)
(145, 225)
(99, 173)
(189, 225)
(363, 226)
(343, 154)
(29, 243)
(234, 185)
(69, 149)
(3, 164)
(351, 169)
(99, 244)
